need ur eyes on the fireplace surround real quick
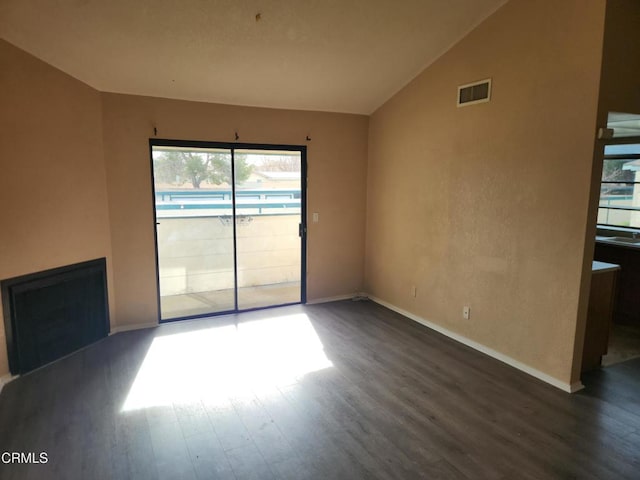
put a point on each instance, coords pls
(50, 314)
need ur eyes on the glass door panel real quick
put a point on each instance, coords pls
(268, 197)
(195, 230)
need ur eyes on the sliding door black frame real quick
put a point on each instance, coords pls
(232, 147)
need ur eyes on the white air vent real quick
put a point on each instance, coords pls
(477, 92)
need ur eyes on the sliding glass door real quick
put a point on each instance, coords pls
(268, 220)
(194, 234)
(229, 227)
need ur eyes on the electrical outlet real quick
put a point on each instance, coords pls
(414, 291)
(466, 313)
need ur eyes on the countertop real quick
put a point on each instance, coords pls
(606, 240)
(602, 267)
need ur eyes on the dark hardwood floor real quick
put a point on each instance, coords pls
(386, 398)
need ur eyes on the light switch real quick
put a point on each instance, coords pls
(316, 217)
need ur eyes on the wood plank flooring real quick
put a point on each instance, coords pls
(393, 400)
(624, 344)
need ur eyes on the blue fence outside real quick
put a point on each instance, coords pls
(180, 200)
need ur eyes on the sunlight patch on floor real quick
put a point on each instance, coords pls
(215, 364)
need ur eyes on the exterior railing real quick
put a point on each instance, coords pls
(218, 202)
(257, 194)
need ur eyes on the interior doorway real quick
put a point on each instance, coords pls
(230, 226)
(614, 306)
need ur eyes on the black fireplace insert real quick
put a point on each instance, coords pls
(53, 313)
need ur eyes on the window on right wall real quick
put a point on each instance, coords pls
(620, 187)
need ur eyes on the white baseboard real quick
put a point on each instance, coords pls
(128, 328)
(564, 386)
(576, 387)
(337, 298)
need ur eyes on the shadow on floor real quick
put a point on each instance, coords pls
(624, 344)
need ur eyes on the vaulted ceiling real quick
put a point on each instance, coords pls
(329, 55)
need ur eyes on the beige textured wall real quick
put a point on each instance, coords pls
(53, 193)
(337, 162)
(487, 205)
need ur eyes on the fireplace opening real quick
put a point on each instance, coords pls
(53, 313)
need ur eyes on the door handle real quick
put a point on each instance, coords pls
(301, 230)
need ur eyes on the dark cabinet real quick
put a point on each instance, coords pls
(601, 301)
(627, 305)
